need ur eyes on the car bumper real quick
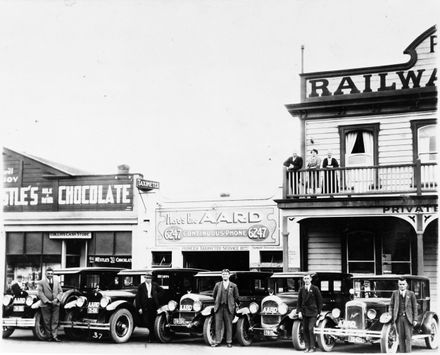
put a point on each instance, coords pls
(347, 332)
(266, 331)
(19, 322)
(86, 325)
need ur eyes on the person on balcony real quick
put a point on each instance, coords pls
(330, 179)
(294, 163)
(313, 164)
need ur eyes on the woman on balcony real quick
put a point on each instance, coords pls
(313, 164)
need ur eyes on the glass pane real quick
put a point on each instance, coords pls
(15, 243)
(104, 243)
(51, 246)
(360, 246)
(123, 243)
(361, 267)
(427, 143)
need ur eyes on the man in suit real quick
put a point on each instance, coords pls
(294, 163)
(225, 300)
(50, 293)
(148, 301)
(309, 307)
(403, 308)
(330, 177)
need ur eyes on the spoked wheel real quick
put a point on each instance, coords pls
(298, 335)
(242, 333)
(432, 340)
(161, 331)
(326, 342)
(389, 340)
(38, 330)
(209, 335)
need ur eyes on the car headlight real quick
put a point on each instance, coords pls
(336, 312)
(172, 305)
(371, 313)
(253, 308)
(29, 301)
(81, 301)
(197, 306)
(104, 302)
(282, 308)
(7, 299)
(385, 318)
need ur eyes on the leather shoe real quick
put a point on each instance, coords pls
(214, 345)
(229, 345)
(312, 350)
(56, 339)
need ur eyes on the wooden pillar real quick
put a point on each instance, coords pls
(285, 233)
(420, 260)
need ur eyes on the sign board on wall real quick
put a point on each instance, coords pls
(147, 185)
(217, 227)
(70, 235)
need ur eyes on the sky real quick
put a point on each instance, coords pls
(189, 93)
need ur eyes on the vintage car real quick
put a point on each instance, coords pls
(106, 303)
(368, 319)
(278, 319)
(194, 314)
(21, 311)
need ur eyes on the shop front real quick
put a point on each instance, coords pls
(214, 236)
(60, 217)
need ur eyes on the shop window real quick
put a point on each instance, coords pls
(396, 254)
(34, 243)
(51, 246)
(123, 243)
(162, 258)
(110, 249)
(104, 243)
(271, 256)
(361, 252)
(14, 243)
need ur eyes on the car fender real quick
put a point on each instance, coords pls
(36, 305)
(427, 317)
(163, 309)
(70, 304)
(293, 314)
(243, 311)
(112, 306)
(207, 311)
(328, 315)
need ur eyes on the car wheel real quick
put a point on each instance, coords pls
(121, 325)
(7, 332)
(432, 340)
(38, 330)
(243, 333)
(209, 330)
(161, 331)
(72, 334)
(298, 335)
(326, 342)
(389, 340)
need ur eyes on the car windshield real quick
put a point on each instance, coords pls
(367, 288)
(279, 285)
(70, 281)
(101, 281)
(206, 284)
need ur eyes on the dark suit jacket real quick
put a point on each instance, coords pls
(46, 293)
(309, 303)
(297, 163)
(334, 163)
(410, 305)
(142, 293)
(232, 296)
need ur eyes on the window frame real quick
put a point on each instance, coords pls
(415, 126)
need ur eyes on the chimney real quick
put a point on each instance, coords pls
(123, 169)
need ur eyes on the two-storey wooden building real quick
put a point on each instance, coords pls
(376, 212)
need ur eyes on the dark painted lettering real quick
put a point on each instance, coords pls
(322, 86)
(367, 83)
(346, 83)
(395, 210)
(386, 209)
(383, 83)
(433, 78)
(411, 76)
(432, 43)
(419, 209)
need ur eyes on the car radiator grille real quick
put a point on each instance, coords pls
(270, 319)
(355, 315)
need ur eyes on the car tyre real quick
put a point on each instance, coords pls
(298, 335)
(38, 330)
(432, 340)
(161, 332)
(121, 325)
(7, 332)
(326, 342)
(209, 335)
(243, 333)
(389, 340)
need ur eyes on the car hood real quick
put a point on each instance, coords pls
(289, 298)
(371, 302)
(118, 294)
(198, 297)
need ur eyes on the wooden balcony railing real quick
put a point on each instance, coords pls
(415, 178)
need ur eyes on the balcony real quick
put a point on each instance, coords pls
(381, 180)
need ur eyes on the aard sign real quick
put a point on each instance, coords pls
(217, 226)
(377, 80)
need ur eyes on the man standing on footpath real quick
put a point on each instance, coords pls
(147, 301)
(50, 293)
(404, 311)
(225, 298)
(309, 307)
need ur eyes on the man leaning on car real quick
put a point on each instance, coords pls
(404, 311)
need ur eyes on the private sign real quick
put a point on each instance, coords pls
(142, 184)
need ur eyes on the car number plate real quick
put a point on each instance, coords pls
(18, 308)
(357, 340)
(92, 310)
(180, 321)
(269, 332)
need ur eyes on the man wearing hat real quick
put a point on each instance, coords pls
(147, 301)
(225, 298)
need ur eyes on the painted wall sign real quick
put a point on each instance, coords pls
(219, 226)
(109, 259)
(409, 209)
(378, 80)
(70, 235)
(147, 185)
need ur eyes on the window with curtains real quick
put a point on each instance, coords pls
(359, 148)
(427, 145)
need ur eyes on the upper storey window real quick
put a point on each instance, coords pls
(359, 148)
(427, 144)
